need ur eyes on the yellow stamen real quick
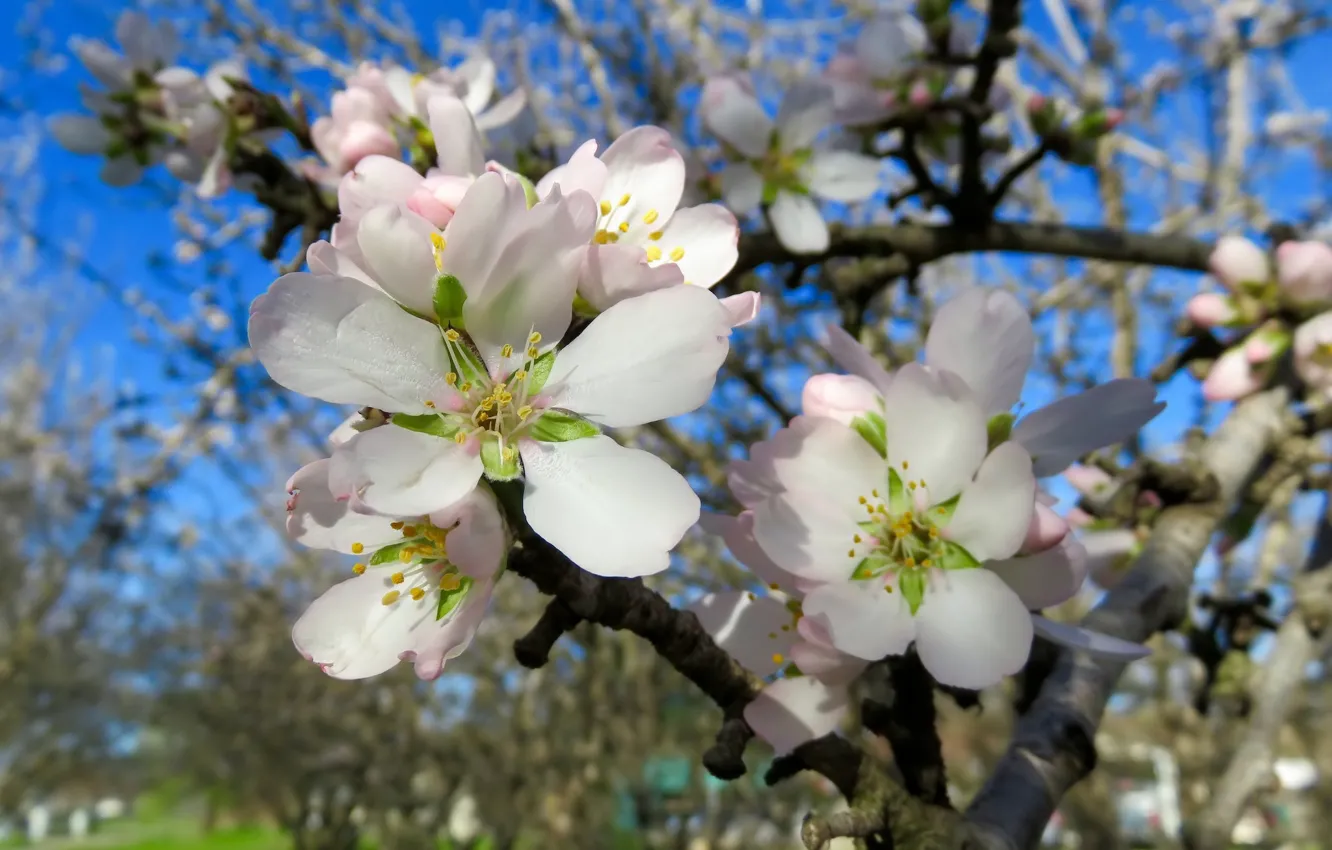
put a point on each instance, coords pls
(601, 237)
(358, 548)
(624, 199)
(888, 588)
(677, 255)
(906, 465)
(778, 658)
(452, 335)
(650, 217)
(460, 438)
(850, 553)
(451, 379)
(397, 578)
(405, 556)
(925, 563)
(653, 253)
(535, 338)
(359, 569)
(532, 352)
(390, 597)
(774, 586)
(430, 404)
(863, 500)
(449, 581)
(605, 207)
(910, 562)
(856, 538)
(655, 235)
(524, 411)
(417, 593)
(506, 350)
(624, 227)
(396, 525)
(409, 531)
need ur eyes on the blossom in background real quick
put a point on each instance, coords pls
(869, 80)
(470, 373)
(638, 183)
(1313, 353)
(782, 164)
(421, 587)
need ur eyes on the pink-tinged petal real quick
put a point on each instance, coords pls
(323, 258)
(376, 180)
(317, 519)
(583, 172)
(644, 359)
(645, 178)
(1210, 310)
(738, 534)
(397, 244)
(972, 630)
(1232, 377)
(1312, 345)
(532, 283)
(477, 541)
(735, 116)
(613, 511)
(843, 176)
(457, 140)
(1093, 643)
(825, 663)
(449, 639)
(1058, 434)
(862, 618)
(798, 223)
(702, 241)
(1236, 261)
(1089, 480)
(757, 631)
(935, 431)
(481, 229)
(741, 187)
(994, 511)
(743, 307)
(806, 111)
(338, 340)
(1047, 529)
(1048, 578)
(840, 397)
(503, 111)
(848, 353)
(407, 473)
(1304, 270)
(791, 711)
(984, 336)
(359, 140)
(890, 43)
(351, 634)
(345, 430)
(612, 273)
(823, 469)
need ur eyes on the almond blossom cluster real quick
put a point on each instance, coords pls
(440, 307)
(1270, 306)
(902, 509)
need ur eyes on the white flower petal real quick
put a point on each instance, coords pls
(738, 533)
(584, 171)
(613, 511)
(336, 339)
(706, 239)
(83, 134)
(1047, 578)
(935, 431)
(645, 177)
(613, 273)
(435, 647)
(1084, 640)
(647, 358)
(757, 631)
(791, 711)
(741, 187)
(843, 176)
(350, 633)
(396, 243)
(457, 140)
(985, 337)
(1060, 433)
(504, 111)
(994, 512)
(482, 227)
(735, 116)
(374, 181)
(477, 541)
(478, 72)
(316, 519)
(798, 223)
(743, 307)
(806, 111)
(407, 473)
(824, 662)
(972, 630)
(889, 43)
(324, 259)
(862, 618)
(847, 352)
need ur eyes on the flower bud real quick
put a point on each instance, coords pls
(1237, 262)
(1232, 377)
(1210, 310)
(1304, 270)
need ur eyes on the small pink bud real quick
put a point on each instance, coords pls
(1236, 261)
(1036, 103)
(1304, 270)
(1088, 480)
(1113, 118)
(1231, 377)
(920, 94)
(1046, 530)
(1259, 349)
(1210, 310)
(1078, 518)
(1150, 499)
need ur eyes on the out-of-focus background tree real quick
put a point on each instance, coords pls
(149, 692)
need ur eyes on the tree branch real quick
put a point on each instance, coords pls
(1053, 745)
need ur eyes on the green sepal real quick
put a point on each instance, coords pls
(770, 191)
(791, 671)
(449, 299)
(392, 552)
(556, 426)
(899, 500)
(449, 600)
(874, 430)
(941, 513)
(540, 372)
(529, 189)
(912, 585)
(439, 425)
(954, 557)
(496, 466)
(999, 429)
(583, 307)
(871, 566)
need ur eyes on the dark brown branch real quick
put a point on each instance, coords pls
(908, 723)
(533, 649)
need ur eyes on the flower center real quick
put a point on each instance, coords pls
(494, 408)
(1322, 354)
(419, 564)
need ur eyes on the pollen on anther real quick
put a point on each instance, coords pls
(856, 538)
(430, 404)
(926, 563)
(390, 597)
(653, 253)
(650, 217)
(910, 562)
(460, 438)
(417, 593)
(397, 578)
(774, 586)
(677, 255)
(655, 235)
(751, 596)
(452, 335)
(357, 548)
(532, 352)
(624, 227)
(778, 658)
(397, 525)
(863, 500)
(534, 338)
(449, 581)
(405, 556)
(911, 485)
(605, 207)
(850, 553)
(451, 378)
(786, 628)
(906, 464)
(409, 531)
(772, 635)
(506, 350)
(359, 569)
(888, 588)
(875, 493)
(624, 199)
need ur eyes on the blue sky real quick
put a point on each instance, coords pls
(120, 230)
